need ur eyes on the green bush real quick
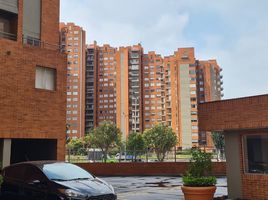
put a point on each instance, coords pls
(199, 171)
(199, 181)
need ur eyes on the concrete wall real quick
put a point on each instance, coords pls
(146, 169)
(185, 106)
(232, 151)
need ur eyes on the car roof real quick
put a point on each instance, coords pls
(38, 164)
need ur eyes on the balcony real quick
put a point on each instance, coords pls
(8, 36)
(8, 25)
(30, 41)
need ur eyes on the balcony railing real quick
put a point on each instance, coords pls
(9, 36)
(31, 41)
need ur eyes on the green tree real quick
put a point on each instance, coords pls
(76, 146)
(135, 144)
(161, 138)
(105, 137)
(219, 143)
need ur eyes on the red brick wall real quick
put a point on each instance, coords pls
(50, 21)
(145, 169)
(27, 112)
(245, 115)
(255, 186)
(241, 113)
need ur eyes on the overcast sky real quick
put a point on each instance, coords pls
(235, 32)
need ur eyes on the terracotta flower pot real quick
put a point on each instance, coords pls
(198, 193)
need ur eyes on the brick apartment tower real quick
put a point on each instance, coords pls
(32, 82)
(153, 90)
(181, 104)
(105, 93)
(72, 39)
(148, 89)
(129, 94)
(209, 88)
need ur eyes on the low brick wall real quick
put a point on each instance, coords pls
(146, 169)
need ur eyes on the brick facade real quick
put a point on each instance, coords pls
(241, 113)
(27, 112)
(243, 116)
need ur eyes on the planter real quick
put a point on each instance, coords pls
(198, 193)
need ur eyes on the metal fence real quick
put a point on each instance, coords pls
(96, 155)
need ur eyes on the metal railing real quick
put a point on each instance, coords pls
(84, 155)
(31, 41)
(8, 35)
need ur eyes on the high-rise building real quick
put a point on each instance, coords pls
(72, 39)
(91, 88)
(137, 90)
(105, 93)
(153, 90)
(129, 98)
(32, 82)
(181, 100)
(209, 88)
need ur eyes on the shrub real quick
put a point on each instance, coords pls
(199, 181)
(199, 171)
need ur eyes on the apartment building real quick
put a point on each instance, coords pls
(105, 93)
(209, 88)
(90, 88)
(32, 82)
(72, 39)
(180, 106)
(136, 90)
(153, 96)
(129, 98)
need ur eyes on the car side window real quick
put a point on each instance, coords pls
(15, 172)
(32, 173)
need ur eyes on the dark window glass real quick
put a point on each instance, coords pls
(32, 173)
(15, 172)
(256, 154)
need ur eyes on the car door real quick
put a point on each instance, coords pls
(35, 184)
(12, 186)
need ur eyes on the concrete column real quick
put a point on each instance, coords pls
(6, 154)
(232, 151)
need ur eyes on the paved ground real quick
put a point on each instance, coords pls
(154, 188)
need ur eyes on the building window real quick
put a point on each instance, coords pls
(256, 154)
(45, 78)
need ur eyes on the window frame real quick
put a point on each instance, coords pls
(55, 78)
(244, 151)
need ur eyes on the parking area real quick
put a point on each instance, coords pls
(157, 188)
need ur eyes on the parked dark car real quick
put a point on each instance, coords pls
(52, 180)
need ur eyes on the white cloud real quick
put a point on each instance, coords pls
(233, 32)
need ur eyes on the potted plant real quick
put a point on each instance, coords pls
(198, 183)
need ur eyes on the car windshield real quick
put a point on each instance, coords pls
(65, 172)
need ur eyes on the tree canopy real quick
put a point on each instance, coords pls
(219, 142)
(161, 138)
(105, 136)
(135, 144)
